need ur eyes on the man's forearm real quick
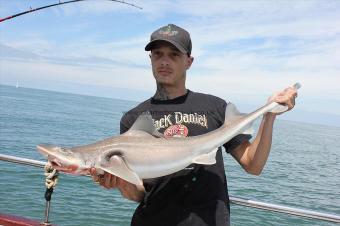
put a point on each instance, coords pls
(253, 156)
(259, 149)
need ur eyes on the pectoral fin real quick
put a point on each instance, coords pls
(206, 159)
(117, 166)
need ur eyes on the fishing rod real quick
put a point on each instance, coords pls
(234, 200)
(61, 3)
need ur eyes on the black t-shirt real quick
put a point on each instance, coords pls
(198, 194)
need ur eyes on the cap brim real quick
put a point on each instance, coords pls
(151, 44)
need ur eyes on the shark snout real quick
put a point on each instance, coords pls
(51, 152)
(46, 149)
(61, 158)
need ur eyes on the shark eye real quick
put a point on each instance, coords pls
(66, 151)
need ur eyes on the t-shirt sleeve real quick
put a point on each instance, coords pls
(124, 124)
(236, 141)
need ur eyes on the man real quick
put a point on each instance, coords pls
(196, 195)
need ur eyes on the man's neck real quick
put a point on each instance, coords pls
(167, 93)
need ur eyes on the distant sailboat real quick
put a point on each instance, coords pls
(17, 85)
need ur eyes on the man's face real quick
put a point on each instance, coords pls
(169, 65)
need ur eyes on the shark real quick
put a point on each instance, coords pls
(142, 152)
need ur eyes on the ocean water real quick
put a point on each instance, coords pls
(303, 169)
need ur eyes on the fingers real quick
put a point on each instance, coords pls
(95, 176)
(289, 97)
(286, 97)
(127, 189)
(106, 180)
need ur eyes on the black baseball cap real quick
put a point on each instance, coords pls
(173, 34)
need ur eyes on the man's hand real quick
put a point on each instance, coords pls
(285, 97)
(128, 190)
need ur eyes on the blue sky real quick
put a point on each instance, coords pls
(244, 50)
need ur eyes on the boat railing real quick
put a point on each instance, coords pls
(234, 200)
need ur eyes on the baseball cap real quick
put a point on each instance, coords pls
(173, 34)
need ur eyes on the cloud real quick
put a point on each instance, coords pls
(119, 76)
(260, 46)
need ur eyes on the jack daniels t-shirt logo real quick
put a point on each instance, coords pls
(174, 124)
(189, 115)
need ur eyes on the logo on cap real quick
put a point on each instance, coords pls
(168, 32)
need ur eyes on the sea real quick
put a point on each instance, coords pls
(303, 169)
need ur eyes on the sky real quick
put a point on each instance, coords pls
(244, 50)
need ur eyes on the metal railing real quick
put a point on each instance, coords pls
(234, 200)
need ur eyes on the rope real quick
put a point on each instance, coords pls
(51, 181)
(51, 176)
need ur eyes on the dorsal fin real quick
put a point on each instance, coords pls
(145, 123)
